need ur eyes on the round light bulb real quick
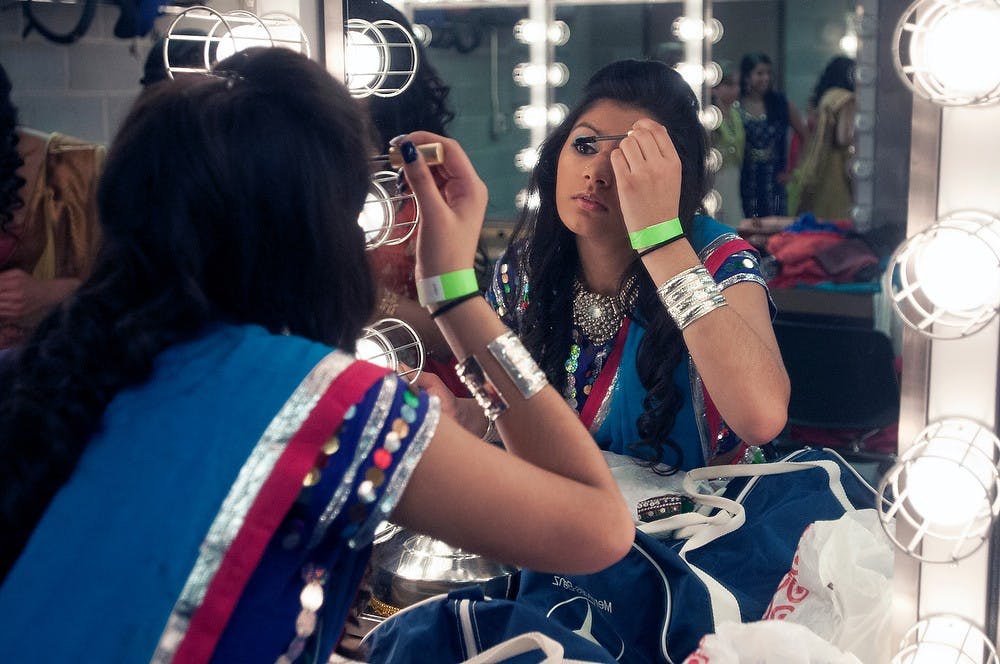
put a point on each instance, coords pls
(557, 113)
(714, 160)
(947, 482)
(849, 45)
(714, 31)
(241, 38)
(961, 50)
(688, 29)
(374, 217)
(530, 117)
(958, 271)
(528, 31)
(423, 34)
(711, 117)
(526, 159)
(712, 202)
(528, 200)
(693, 73)
(530, 75)
(371, 350)
(558, 33)
(365, 60)
(558, 74)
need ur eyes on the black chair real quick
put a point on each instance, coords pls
(843, 379)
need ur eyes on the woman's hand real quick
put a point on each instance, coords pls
(648, 175)
(452, 202)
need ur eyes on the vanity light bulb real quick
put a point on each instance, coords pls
(526, 159)
(711, 117)
(376, 217)
(962, 52)
(423, 34)
(528, 200)
(558, 74)
(959, 271)
(688, 29)
(693, 73)
(947, 482)
(558, 33)
(531, 117)
(557, 113)
(241, 38)
(945, 638)
(712, 202)
(374, 348)
(714, 160)
(365, 60)
(848, 45)
(530, 75)
(528, 31)
(713, 73)
(714, 31)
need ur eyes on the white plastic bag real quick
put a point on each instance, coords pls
(840, 585)
(766, 642)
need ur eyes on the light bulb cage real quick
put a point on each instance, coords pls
(226, 28)
(909, 36)
(400, 213)
(902, 283)
(396, 53)
(394, 345)
(971, 647)
(979, 460)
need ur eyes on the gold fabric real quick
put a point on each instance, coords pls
(826, 189)
(56, 233)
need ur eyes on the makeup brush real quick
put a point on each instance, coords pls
(433, 154)
(584, 140)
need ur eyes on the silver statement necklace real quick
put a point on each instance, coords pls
(598, 316)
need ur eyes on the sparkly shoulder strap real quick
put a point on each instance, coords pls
(216, 583)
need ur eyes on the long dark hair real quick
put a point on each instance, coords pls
(775, 104)
(838, 73)
(551, 260)
(228, 198)
(10, 158)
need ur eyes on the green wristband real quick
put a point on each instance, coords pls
(446, 286)
(661, 232)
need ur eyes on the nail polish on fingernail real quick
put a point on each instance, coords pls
(409, 151)
(396, 140)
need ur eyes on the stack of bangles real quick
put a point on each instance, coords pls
(689, 295)
(450, 290)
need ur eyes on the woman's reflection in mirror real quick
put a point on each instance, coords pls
(767, 115)
(592, 279)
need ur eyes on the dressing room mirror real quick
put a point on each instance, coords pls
(474, 49)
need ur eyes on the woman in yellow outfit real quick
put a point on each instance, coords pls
(824, 177)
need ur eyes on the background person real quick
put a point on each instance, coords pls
(767, 115)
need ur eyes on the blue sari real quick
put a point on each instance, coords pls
(136, 556)
(611, 400)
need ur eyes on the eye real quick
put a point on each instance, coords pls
(584, 148)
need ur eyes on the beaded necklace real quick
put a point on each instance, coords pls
(596, 319)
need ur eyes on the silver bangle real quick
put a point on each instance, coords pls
(690, 295)
(485, 392)
(515, 359)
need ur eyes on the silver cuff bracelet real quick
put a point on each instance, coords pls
(690, 295)
(515, 359)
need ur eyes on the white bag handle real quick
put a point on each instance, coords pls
(523, 643)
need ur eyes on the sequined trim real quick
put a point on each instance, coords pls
(369, 436)
(700, 416)
(605, 407)
(741, 277)
(393, 491)
(715, 244)
(241, 496)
